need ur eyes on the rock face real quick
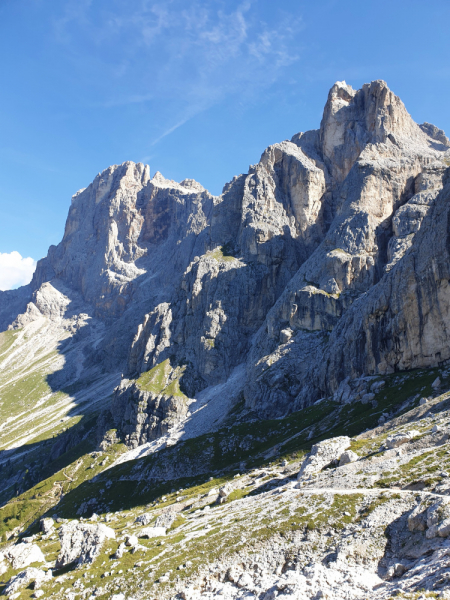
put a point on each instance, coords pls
(327, 262)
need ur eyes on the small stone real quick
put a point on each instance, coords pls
(436, 383)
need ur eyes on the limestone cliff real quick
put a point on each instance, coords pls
(328, 260)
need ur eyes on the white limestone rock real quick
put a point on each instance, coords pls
(398, 439)
(47, 525)
(26, 577)
(144, 519)
(347, 457)
(165, 520)
(22, 555)
(151, 532)
(322, 455)
(82, 542)
(131, 540)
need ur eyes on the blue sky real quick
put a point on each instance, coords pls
(195, 89)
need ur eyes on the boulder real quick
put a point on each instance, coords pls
(120, 551)
(151, 532)
(28, 539)
(144, 519)
(47, 525)
(166, 520)
(285, 335)
(24, 555)
(438, 512)
(436, 384)
(396, 440)
(323, 454)
(26, 577)
(377, 386)
(245, 581)
(82, 542)
(443, 529)
(348, 457)
(131, 540)
(417, 520)
(367, 398)
(225, 490)
(3, 564)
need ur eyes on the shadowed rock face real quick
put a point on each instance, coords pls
(327, 260)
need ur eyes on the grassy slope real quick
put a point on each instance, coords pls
(214, 459)
(257, 444)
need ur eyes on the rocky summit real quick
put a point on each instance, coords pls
(244, 395)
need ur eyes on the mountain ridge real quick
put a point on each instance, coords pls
(307, 231)
(174, 335)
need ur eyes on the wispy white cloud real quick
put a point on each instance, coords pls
(187, 58)
(15, 270)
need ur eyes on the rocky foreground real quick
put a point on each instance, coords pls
(356, 517)
(241, 396)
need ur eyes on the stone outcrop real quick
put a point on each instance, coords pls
(23, 579)
(151, 532)
(82, 543)
(22, 555)
(324, 454)
(390, 176)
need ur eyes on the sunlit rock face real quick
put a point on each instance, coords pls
(327, 260)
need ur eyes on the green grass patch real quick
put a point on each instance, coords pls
(162, 379)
